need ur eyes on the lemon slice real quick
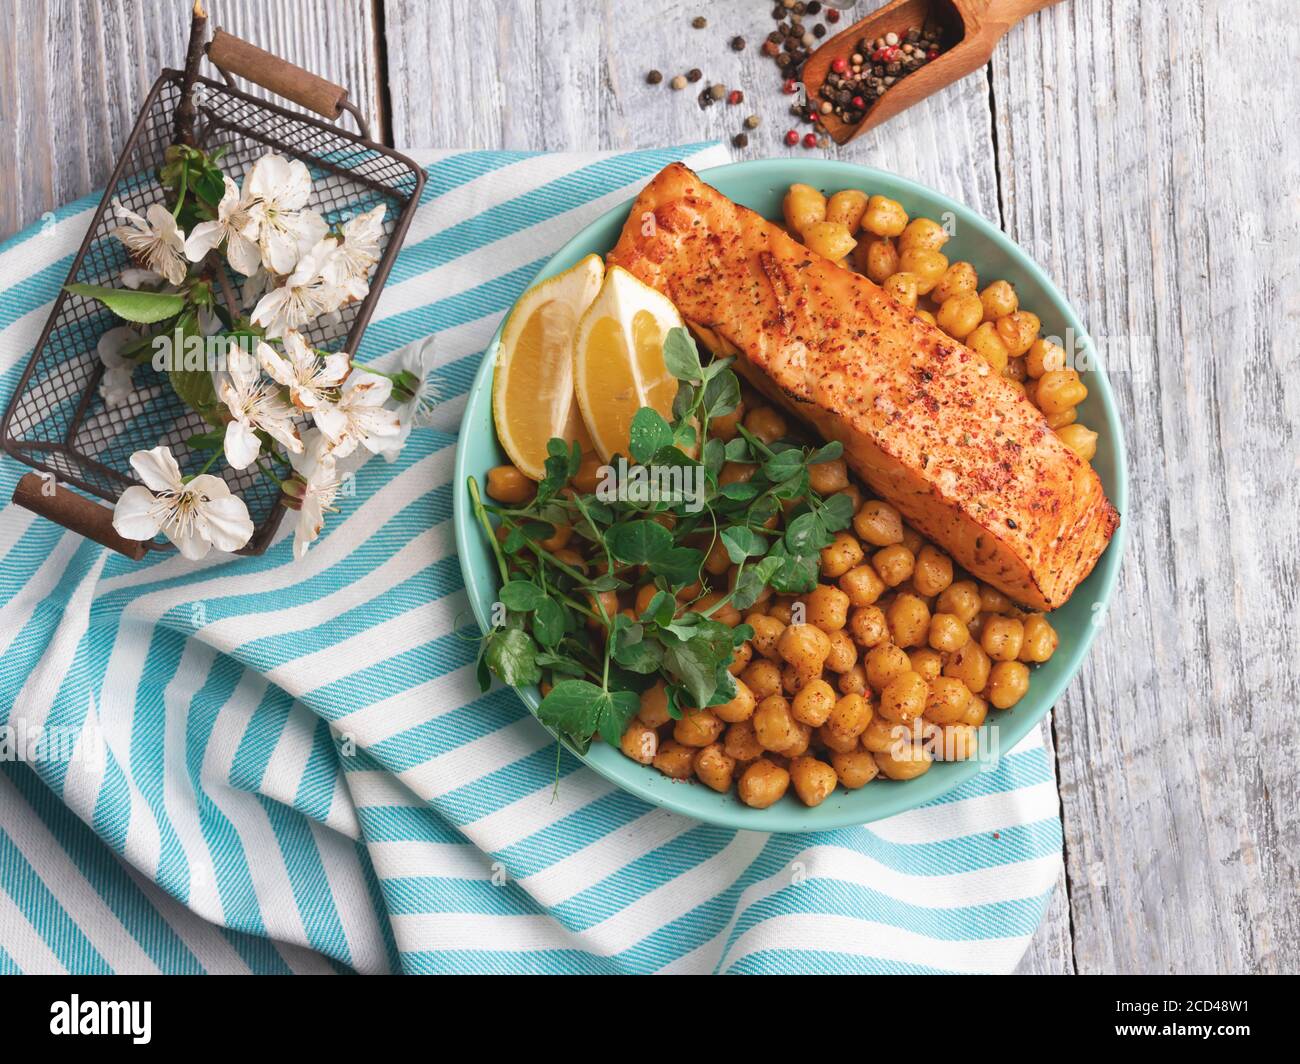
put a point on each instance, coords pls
(618, 359)
(532, 388)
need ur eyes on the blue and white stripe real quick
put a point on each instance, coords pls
(288, 767)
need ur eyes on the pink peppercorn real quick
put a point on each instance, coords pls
(859, 103)
(792, 138)
(810, 140)
(840, 65)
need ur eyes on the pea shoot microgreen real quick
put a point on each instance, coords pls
(553, 607)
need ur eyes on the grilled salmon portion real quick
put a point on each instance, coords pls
(925, 422)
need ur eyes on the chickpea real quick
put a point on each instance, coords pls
(877, 257)
(767, 633)
(828, 609)
(724, 426)
(948, 632)
(763, 678)
(826, 478)
(970, 665)
(506, 484)
(1059, 390)
(1080, 439)
(923, 234)
(1061, 419)
(844, 652)
(813, 704)
(1040, 639)
(885, 664)
(558, 539)
(765, 423)
(926, 317)
(863, 585)
(740, 659)
(1016, 372)
(853, 681)
(985, 342)
(1018, 331)
(639, 743)
(836, 742)
(847, 207)
(654, 706)
(714, 767)
(794, 677)
(1002, 638)
(571, 558)
(741, 706)
(1044, 356)
(763, 783)
(803, 206)
(976, 710)
(904, 698)
(587, 479)
(725, 613)
(805, 646)
(958, 280)
(878, 523)
(601, 602)
(1008, 682)
(813, 780)
(849, 717)
(828, 239)
(904, 762)
(976, 626)
(903, 288)
(774, 725)
(868, 626)
(909, 619)
(993, 601)
(851, 492)
(999, 300)
(736, 473)
(927, 266)
(958, 742)
(841, 556)
(947, 701)
(644, 596)
(854, 768)
(780, 611)
(741, 742)
(926, 663)
(932, 573)
(893, 564)
(697, 727)
(884, 217)
(912, 540)
(881, 734)
(675, 760)
(717, 562)
(960, 315)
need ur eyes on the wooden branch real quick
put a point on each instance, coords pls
(183, 130)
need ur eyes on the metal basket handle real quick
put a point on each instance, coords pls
(43, 495)
(234, 56)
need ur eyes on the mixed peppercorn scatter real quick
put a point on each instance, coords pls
(855, 83)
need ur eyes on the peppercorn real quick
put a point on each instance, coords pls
(791, 137)
(737, 44)
(678, 82)
(694, 74)
(740, 140)
(790, 87)
(752, 122)
(819, 31)
(840, 65)
(735, 96)
(832, 15)
(699, 22)
(813, 7)
(810, 140)
(717, 91)
(770, 48)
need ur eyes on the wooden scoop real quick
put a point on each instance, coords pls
(968, 32)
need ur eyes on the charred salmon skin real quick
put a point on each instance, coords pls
(924, 421)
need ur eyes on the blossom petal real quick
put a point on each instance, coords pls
(331, 421)
(227, 522)
(243, 255)
(202, 239)
(157, 468)
(279, 249)
(241, 445)
(276, 367)
(133, 516)
(369, 390)
(192, 545)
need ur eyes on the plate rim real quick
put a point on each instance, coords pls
(1012, 727)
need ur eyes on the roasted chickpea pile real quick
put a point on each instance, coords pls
(891, 662)
(904, 256)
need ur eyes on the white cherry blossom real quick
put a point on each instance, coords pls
(231, 224)
(312, 490)
(276, 191)
(349, 267)
(154, 241)
(253, 405)
(304, 296)
(359, 417)
(307, 375)
(116, 385)
(195, 515)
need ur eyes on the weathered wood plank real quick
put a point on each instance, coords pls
(73, 74)
(1158, 186)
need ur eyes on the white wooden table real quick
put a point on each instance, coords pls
(1144, 153)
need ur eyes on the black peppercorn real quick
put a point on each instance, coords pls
(694, 74)
(699, 22)
(654, 77)
(737, 44)
(741, 140)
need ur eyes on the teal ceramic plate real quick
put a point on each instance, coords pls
(760, 185)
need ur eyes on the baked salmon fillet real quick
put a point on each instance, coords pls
(924, 421)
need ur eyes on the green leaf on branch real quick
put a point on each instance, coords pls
(142, 307)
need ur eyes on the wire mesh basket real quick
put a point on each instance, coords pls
(57, 422)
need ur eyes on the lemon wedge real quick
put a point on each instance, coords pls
(532, 388)
(618, 359)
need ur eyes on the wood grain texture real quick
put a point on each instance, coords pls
(73, 74)
(1158, 186)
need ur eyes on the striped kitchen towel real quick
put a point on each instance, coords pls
(252, 764)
